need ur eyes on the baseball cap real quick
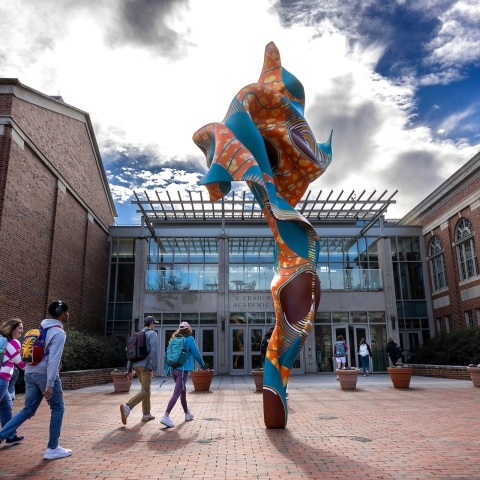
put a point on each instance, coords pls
(184, 325)
(148, 320)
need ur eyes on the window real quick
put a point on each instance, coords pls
(467, 257)
(437, 264)
(439, 325)
(448, 323)
(469, 318)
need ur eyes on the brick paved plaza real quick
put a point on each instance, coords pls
(374, 432)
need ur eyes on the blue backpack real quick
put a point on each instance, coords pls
(340, 349)
(176, 353)
(3, 346)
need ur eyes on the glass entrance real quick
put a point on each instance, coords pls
(206, 338)
(352, 334)
(409, 341)
(245, 341)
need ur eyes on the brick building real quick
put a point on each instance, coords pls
(450, 220)
(55, 209)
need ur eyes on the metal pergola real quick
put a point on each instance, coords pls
(241, 206)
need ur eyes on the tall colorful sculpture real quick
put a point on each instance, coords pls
(265, 141)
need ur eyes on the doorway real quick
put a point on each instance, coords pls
(245, 350)
(352, 334)
(205, 337)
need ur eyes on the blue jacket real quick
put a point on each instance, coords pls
(193, 354)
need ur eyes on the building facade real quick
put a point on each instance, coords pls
(450, 221)
(55, 209)
(212, 266)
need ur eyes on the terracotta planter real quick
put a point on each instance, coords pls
(348, 379)
(400, 376)
(202, 380)
(474, 375)
(258, 378)
(120, 381)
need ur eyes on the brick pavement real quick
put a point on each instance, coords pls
(374, 432)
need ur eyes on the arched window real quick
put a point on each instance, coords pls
(437, 264)
(467, 256)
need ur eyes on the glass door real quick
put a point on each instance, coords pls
(207, 345)
(359, 332)
(409, 341)
(343, 331)
(238, 335)
(255, 335)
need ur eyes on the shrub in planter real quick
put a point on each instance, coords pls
(85, 351)
(459, 347)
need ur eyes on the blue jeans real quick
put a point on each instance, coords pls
(5, 405)
(36, 384)
(365, 363)
(13, 382)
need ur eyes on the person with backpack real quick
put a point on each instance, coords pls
(392, 351)
(42, 380)
(11, 330)
(180, 373)
(145, 367)
(365, 354)
(340, 352)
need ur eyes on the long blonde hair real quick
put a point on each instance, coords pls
(184, 332)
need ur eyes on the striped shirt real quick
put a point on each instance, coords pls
(11, 357)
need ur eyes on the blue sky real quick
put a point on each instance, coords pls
(398, 81)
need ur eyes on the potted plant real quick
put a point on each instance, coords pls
(400, 375)
(121, 383)
(202, 379)
(348, 377)
(474, 371)
(257, 374)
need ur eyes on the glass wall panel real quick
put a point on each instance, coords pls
(208, 318)
(238, 317)
(126, 250)
(152, 251)
(408, 249)
(415, 309)
(256, 317)
(210, 246)
(235, 250)
(165, 250)
(335, 251)
(111, 289)
(376, 317)
(363, 254)
(266, 252)
(352, 259)
(358, 317)
(171, 319)
(123, 311)
(378, 344)
(322, 317)
(125, 282)
(372, 252)
(340, 317)
(191, 318)
(114, 249)
(323, 253)
(323, 348)
(270, 317)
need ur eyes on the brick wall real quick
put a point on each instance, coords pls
(66, 143)
(49, 249)
(440, 371)
(85, 378)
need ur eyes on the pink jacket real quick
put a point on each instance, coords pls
(11, 357)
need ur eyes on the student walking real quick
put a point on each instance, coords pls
(365, 354)
(180, 375)
(43, 381)
(391, 350)
(340, 352)
(145, 370)
(12, 330)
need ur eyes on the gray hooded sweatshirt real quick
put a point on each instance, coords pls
(54, 343)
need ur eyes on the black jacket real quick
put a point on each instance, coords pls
(391, 346)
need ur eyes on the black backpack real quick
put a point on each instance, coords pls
(137, 346)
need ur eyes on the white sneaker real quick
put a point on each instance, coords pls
(167, 422)
(54, 453)
(189, 416)
(147, 418)
(124, 413)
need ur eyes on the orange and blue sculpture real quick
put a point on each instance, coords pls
(265, 141)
